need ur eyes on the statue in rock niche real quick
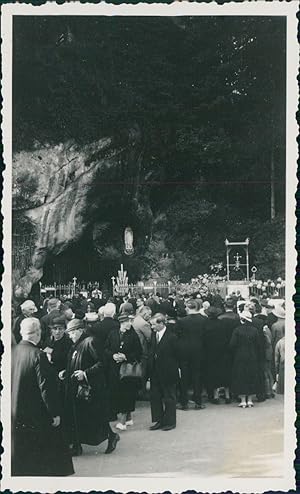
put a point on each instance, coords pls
(128, 240)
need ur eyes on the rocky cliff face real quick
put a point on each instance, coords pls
(57, 195)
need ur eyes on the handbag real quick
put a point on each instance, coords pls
(84, 392)
(128, 370)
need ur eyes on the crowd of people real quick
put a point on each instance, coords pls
(80, 364)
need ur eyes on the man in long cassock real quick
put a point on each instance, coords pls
(38, 444)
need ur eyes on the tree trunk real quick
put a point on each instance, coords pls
(273, 212)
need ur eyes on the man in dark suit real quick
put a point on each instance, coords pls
(190, 331)
(163, 367)
(38, 446)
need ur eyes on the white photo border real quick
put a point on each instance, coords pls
(142, 484)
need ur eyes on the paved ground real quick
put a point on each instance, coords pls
(222, 440)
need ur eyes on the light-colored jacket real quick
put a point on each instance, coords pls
(143, 330)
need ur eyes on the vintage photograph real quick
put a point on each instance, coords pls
(149, 251)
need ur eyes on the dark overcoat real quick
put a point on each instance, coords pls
(100, 331)
(245, 348)
(258, 322)
(217, 354)
(86, 421)
(122, 392)
(60, 352)
(38, 449)
(190, 332)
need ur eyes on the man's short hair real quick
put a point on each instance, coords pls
(192, 304)
(53, 303)
(28, 304)
(29, 326)
(145, 310)
(159, 318)
(109, 309)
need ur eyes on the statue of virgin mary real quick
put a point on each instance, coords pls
(128, 240)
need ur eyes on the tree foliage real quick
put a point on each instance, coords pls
(207, 95)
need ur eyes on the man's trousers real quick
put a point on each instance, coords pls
(163, 402)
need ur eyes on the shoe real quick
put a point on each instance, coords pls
(129, 422)
(121, 427)
(242, 405)
(76, 450)
(168, 427)
(112, 444)
(155, 427)
(227, 401)
(199, 406)
(250, 404)
(182, 407)
(216, 401)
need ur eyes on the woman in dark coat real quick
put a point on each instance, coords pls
(86, 419)
(217, 355)
(245, 346)
(58, 344)
(122, 345)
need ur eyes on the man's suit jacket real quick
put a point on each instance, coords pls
(190, 331)
(230, 321)
(163, 358)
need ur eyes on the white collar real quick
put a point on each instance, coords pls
(161, 333)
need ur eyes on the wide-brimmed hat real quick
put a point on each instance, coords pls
(213, 312)
(246, 315)
(75, 324)
(125, 317)
(279, 312)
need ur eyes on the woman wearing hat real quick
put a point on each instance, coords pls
(86, 413)
(245, 348)
(58, 344)
(122, 345)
